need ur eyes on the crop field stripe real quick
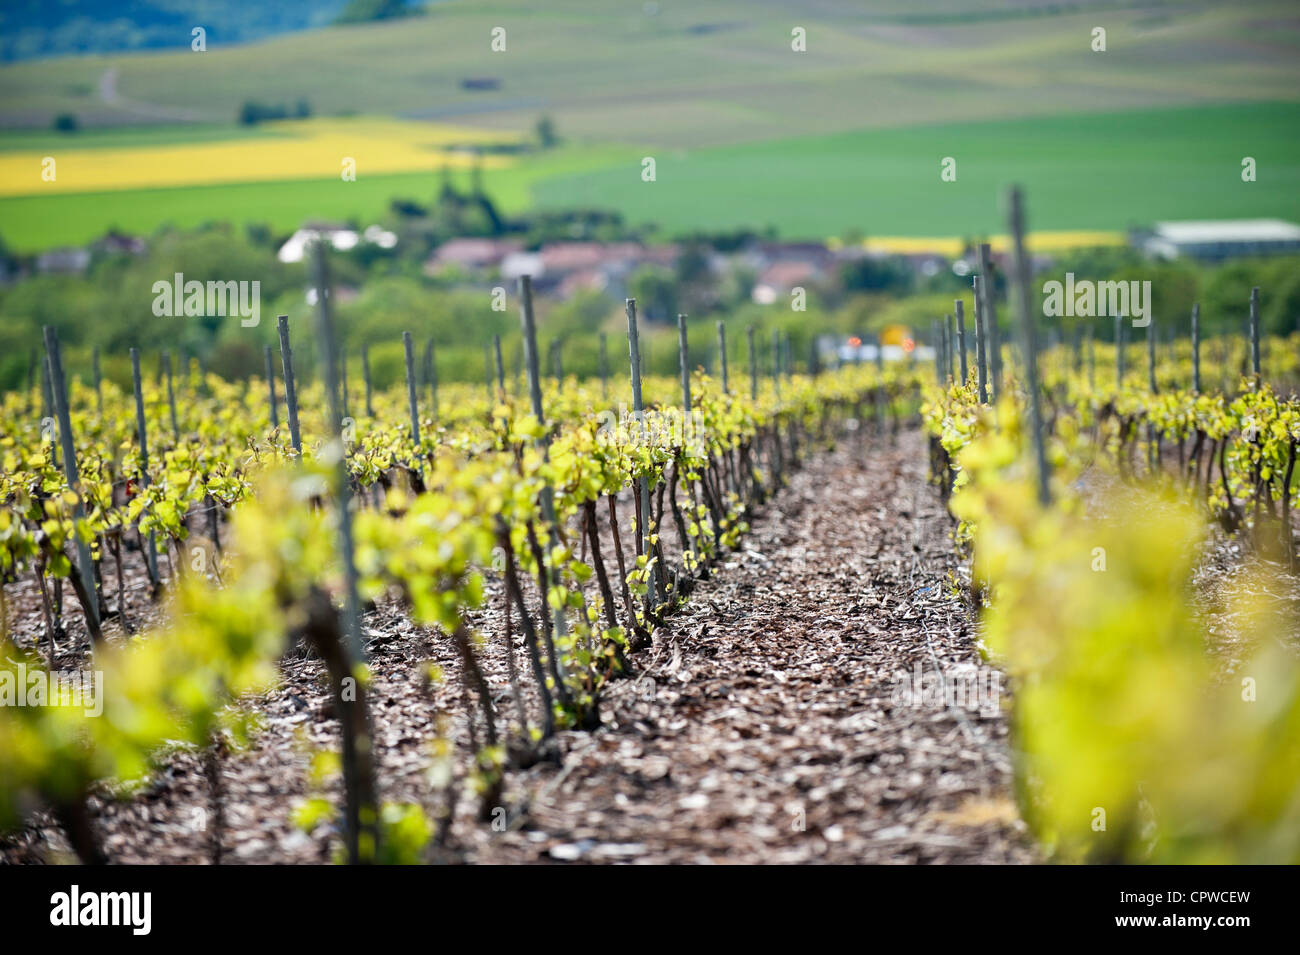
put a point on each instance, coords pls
(1093, 174)
(35, 222)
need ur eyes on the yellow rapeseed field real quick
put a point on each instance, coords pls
(953, 246)
(299, 149)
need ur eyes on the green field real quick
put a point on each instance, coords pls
(1105, 171)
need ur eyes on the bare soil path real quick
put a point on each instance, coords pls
(763, 727)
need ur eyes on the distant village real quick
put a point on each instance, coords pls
(772, 270)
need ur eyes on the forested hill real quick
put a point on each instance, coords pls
(36, 28)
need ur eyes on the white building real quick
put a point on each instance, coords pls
(516, 264)
(295, 247)
(1219, 239)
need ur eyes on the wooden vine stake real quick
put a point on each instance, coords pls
(602, 360)
(365, 376)
(1119, 353)
(290, 392)
(960, 328)
(99, 383)
(988, 321)
(981, 339)
(722, 356)
(151, 551)
(642, 488)
(546, 497)
(343, 380)
(1029, 343)
(329, 359)
(362, 831)
(951, 364)
(684, 362)
(412, 400)
(1196, 348)
(501, 368)
(776, 362)
(171, 395)
(1153, 440)
(753, 364)
(47, 393)
(1254, 334)
(59, 388)
(1151, 356)
(557, 361)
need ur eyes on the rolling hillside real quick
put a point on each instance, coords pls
(844, 135)
(716, 71)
